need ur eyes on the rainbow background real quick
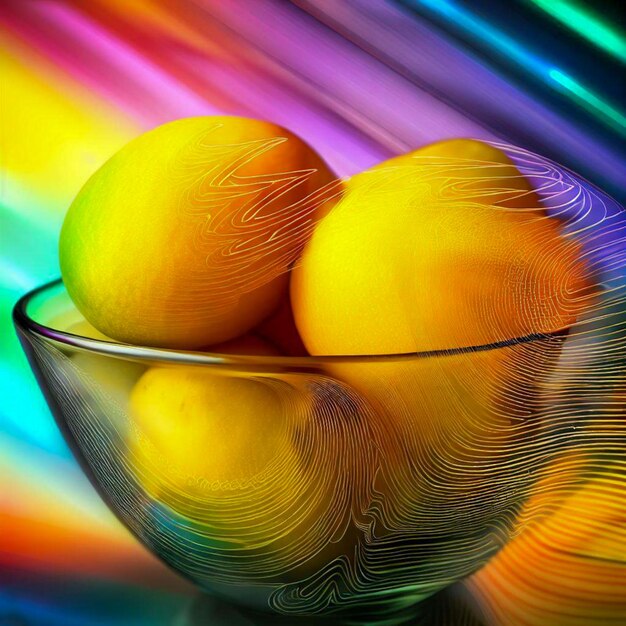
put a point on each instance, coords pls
(361, 80)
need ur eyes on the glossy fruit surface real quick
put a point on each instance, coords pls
(410, 260)
(184, 237)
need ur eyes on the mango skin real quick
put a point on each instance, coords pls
(481, 172)
(410, 260)
(184, 237)
(85, 329)
(420, 256)
(280, 329)
(185, 413)
(267, 468)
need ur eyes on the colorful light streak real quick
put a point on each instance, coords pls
(587, 25)
(589, 99)
(360, 80)
(542, 69)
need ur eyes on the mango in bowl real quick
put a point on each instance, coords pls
(269, 479)
(184, 237)
(273, 482)
(442, 254)
(411, 260)
(438, 304)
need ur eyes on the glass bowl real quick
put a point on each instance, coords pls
(308, 486)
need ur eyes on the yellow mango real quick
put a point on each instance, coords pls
(419, 256)
(411, 260)
(207, 426)
(85, 329)
(266, 468)
(184, 237)
(480, 171)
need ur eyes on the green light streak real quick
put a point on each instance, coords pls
(590, 100)
(543, 69)
(587, 25)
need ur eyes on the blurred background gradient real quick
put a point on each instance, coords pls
(360, 80)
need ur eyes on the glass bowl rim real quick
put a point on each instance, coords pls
(24, 321)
